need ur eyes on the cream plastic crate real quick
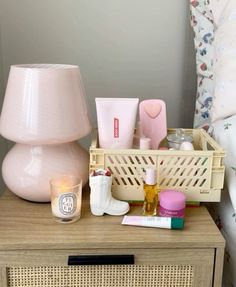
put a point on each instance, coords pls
(199, 173)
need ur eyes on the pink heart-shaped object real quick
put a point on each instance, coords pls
(152, 109)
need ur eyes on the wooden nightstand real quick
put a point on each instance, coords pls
(34, 249)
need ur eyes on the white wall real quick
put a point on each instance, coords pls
(3, 142)
(125, 48)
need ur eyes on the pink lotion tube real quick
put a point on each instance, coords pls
(154, 221)
(116, 119)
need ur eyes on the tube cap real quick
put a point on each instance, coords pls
(177, 223)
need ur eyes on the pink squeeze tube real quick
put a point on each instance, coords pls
(152, 115)
(116, 118)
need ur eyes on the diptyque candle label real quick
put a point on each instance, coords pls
(67, 203)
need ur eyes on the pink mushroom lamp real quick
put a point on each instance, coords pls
(45, 113)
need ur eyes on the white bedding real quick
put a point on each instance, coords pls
(225, 218)
(214, 17)
(224, 131)
(224, 58)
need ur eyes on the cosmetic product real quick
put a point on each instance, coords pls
(145, 143)
(176, 139)
(172, 203)
(116, 119)
(152, 114)
(150, 192)
(186, 146)
(154, 221)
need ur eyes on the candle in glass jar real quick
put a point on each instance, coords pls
(66, 198)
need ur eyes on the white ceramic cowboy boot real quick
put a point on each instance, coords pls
(101, 200)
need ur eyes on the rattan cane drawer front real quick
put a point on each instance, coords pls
(153, 267)
(102, 276)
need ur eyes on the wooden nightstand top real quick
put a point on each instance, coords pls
(26, 225)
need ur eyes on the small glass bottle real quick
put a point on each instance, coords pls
(150, 192)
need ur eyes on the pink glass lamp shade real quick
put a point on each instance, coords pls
(45, 112)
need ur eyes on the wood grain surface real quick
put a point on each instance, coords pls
(26, 225)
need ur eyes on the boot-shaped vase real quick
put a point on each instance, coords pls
(101, 200)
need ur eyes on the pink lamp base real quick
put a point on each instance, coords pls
(27, 169)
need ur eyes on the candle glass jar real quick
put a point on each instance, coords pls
(66, 197)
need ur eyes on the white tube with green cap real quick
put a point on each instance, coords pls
(154, 221)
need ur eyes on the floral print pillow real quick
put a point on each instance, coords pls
(202, 23)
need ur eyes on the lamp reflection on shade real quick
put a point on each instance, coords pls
(45, 113)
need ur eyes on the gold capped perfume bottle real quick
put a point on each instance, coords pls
(150, 192)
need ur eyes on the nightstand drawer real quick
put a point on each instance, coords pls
(34, 250)
(152, 267)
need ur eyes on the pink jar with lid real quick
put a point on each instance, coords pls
(172, 203)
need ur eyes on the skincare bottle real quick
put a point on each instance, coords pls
(150, 192)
